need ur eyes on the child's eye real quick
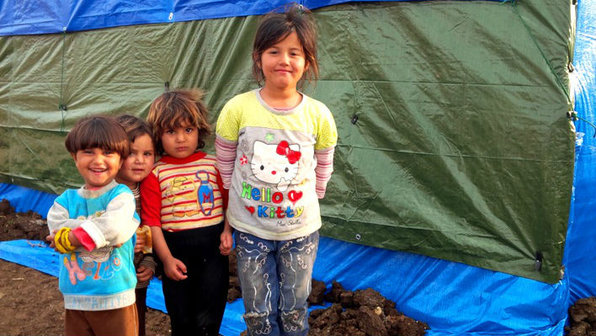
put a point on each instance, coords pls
(87, 151)
(169, 131)
(108, 152)
(148, 153)
(189, 129)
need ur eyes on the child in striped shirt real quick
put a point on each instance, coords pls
(183, 202)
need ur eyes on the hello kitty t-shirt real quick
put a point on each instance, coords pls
(267, 159)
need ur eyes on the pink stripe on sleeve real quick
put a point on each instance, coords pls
(225, 153)
(323, 169)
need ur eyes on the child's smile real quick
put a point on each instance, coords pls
(283, 63)
(139, 163)
(97, 166)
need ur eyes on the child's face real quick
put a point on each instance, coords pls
(180, 142)
(283, 63)
(97, 166)
(139, 163)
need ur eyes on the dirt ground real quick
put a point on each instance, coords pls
(582, 318)
(30, 301)
(32, 305)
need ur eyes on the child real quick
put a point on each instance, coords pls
(274, 150)
(183, 203)
(92, 227)
(135, 168)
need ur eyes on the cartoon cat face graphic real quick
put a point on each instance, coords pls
(275, 164)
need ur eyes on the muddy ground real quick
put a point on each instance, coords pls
(32, 305)
(30, 301)
(582, 318)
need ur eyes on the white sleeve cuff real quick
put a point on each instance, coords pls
(95, 234)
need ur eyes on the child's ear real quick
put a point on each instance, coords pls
(257, 59)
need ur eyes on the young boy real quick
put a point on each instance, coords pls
(92, 228)
(183, 202)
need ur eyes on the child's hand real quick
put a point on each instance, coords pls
(226, 242)
(71, 241)
(50, 238)
(144, 274)
(175, 269)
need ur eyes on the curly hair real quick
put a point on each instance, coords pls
(175, 108)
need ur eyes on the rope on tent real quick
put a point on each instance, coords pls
(574, 117)
(557, 79)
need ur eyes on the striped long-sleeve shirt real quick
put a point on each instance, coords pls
(181, 194)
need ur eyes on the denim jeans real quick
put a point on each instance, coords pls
(275, 277)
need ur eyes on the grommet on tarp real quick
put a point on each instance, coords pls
(62, 107)
(358, 236)
(538, 261)
(354, 119)
(167, 86)
(570, 67)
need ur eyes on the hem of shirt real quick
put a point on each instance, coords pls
(265, 234)
(165, 227)
(99, 302)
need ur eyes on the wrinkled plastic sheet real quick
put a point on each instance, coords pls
(38, 255)
(24, 199)
(25, 17)
(413, 172)
(453, 298)
(580, 259)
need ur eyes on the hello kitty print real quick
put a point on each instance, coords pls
(275, 164)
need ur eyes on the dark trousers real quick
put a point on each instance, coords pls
(141, 294)
(196, 304)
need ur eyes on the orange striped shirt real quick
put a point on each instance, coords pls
(182, 194)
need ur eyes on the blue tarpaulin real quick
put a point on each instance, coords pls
(25, 17)
(453, 298)
(580, 258)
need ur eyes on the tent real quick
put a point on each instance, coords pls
(454, 182)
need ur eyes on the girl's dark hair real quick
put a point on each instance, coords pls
(98, 132)
(276, 26)
(174, 108)
(134, 127)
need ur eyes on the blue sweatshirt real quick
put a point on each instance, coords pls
(105, 277)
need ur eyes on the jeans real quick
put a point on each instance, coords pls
(275, 277)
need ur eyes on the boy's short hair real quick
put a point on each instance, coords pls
(173, 108)
(134, 126)
(98, 132)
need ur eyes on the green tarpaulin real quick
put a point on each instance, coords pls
(452, 116)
